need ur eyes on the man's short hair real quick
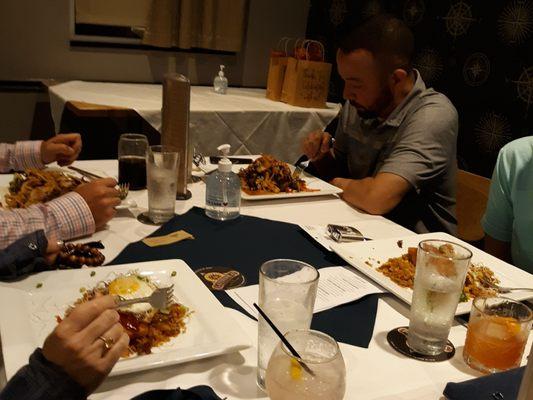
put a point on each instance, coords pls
(387, 38)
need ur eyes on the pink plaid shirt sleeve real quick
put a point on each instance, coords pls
(21, 155)
(63, 218)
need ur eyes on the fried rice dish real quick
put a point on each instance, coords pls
(266, 175)
(146, 327)
(38, 186)
(401, 270)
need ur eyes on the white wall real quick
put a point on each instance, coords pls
(34, 43)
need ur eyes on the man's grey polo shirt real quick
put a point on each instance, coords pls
(418, 142)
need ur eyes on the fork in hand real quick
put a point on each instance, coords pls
(123, 190)
(160, 299)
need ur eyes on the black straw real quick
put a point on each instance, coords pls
(284, 340)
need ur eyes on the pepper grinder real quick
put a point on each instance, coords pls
(175, 128)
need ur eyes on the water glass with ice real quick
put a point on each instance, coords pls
(441, 268)
(161, 171)
(287, 292)
(286, 379)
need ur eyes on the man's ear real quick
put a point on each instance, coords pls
(399, 75)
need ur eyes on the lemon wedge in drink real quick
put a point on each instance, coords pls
(295, 369)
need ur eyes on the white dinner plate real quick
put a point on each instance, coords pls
(366, 257)
(319, 187)
(28, 315)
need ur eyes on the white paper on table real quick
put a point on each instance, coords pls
(336, 286)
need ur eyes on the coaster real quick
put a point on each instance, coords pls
(397, 338)
(185, 196)
(220, 278)
(145, 219)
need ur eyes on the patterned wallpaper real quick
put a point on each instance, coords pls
(477, 52)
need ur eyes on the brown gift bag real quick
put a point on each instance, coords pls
(276, 70)
(306, 82)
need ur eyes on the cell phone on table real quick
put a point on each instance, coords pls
(234, 160)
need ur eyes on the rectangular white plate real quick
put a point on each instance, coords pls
(321, 188)
(377, 252)
(27, 315)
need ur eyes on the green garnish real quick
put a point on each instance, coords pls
(39, 285)
(173, 273)
(93, 273)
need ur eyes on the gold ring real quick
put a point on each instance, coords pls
(108, 342)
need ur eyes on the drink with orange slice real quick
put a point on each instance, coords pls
(497, 334)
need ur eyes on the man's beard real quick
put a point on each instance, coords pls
(381, 104)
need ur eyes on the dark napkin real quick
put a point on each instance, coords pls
(507, 383)
(194, 393)
(244, 244)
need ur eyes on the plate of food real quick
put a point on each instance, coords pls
(267, 178)
(391, 263)
(194, 326)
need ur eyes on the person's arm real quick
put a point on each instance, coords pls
(42, 380)
(63, 218)
(24, 256)
(21, 155)
(376, 195)
(499, 217)
(419, 157)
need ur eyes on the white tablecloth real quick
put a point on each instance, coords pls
(377, 373)
(244, 118)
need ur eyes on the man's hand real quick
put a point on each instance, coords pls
(316, 145)
(63, 148)
(75, 343)
(102, 198)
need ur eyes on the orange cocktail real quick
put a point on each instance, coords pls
(497, 334)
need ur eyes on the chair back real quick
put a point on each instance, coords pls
(472, 197)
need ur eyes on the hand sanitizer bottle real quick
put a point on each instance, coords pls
(223, 190)
(220, 83)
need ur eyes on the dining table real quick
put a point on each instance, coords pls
(375, 372)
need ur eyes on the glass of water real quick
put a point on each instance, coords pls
(441, 268)
(287, 292)
(161, 172)
(286, 379)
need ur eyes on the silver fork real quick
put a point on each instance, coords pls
(300, 168)
(160, 298)
(503, 289)
(123, 190)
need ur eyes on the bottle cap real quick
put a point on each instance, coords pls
(224, 165)
(221, 72)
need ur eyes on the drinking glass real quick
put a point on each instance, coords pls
(441, 268)
(287, 380)
(497, 334)
(131, 160)
(287, 292)
(162, 174)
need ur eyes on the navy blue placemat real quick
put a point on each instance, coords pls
(244, 244)
(487, 387)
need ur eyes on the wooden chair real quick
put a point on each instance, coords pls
(472, 197)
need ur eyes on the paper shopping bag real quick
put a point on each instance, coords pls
(276, 76)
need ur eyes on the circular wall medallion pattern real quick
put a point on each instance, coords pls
(492, 131)
(337, 12)
(524, 87)
(515, 23)
(413, 11)
(458, 19)
(476, 69)
(429, 63)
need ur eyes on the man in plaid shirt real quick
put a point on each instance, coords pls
(74, 214)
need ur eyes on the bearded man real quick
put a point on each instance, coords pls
(394, 152)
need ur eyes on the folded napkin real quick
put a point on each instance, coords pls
(487, 387)
(194, 393)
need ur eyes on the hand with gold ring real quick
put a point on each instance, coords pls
(88, 343)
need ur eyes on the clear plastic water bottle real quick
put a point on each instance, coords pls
(223, 190)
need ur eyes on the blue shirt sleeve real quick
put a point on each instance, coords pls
(498, 219)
